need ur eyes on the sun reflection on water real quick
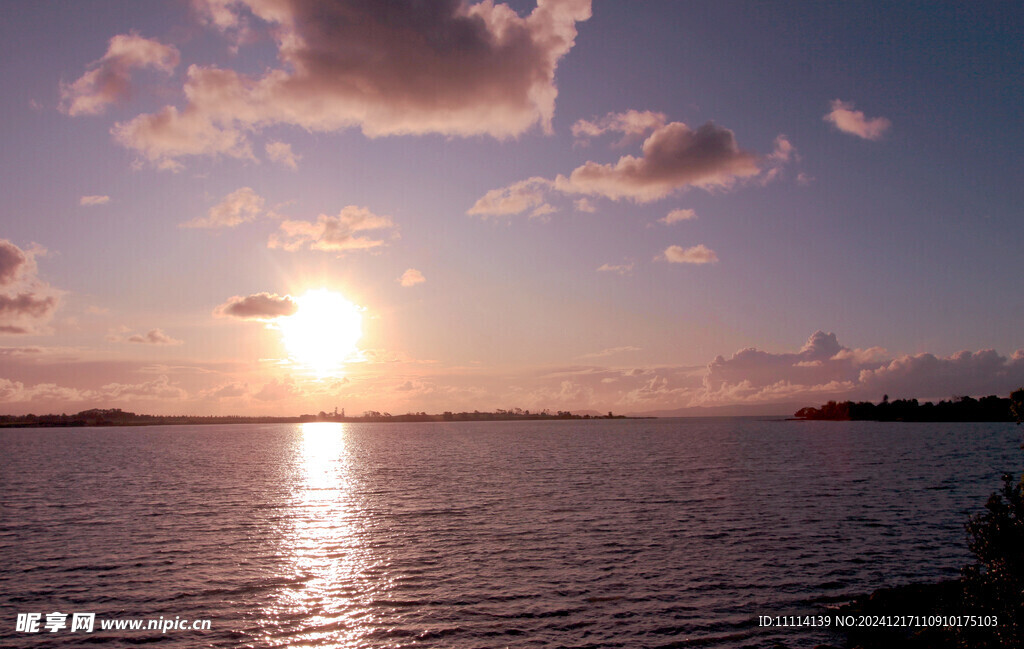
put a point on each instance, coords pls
(326, 550)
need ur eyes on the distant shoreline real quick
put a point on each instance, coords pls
(117, 417)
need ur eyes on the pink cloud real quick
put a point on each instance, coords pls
(109, 78)
(674, 158)
(632, 124)
(675, 216)
(928, 376)
(282, 152)
(411, 277)
(153, 337)
(514, 199)
(240, 206)
(26, 302)
(438, 67)
(851, 121)
(333, 233)
(699, 254)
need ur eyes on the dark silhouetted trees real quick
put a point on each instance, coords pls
(990, 408)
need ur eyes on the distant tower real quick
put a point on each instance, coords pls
(335, 411)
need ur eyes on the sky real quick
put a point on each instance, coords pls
(285, 206)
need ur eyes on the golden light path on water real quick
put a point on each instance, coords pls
(326, 548)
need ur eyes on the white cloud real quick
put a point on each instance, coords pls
(851, 121)
(699, 254)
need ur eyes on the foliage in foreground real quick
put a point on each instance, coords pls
(994, 584)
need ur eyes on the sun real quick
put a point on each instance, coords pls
(323, 332)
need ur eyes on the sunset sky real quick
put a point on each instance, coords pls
(626, 206)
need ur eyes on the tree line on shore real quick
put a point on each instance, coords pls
(990, 408)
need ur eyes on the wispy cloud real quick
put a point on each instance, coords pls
(622, 269)
(333, 233)
(612, 351)
(632, 124)
(153, 337)
(675, 216)
(109, 79)
(240, 206)
(93, 200)
(282, 152)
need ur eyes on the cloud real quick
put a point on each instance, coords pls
(964, 373)
(621, 269)
(26, 302)
(824, 369)
(514, 199)
(153, 337)
(612, 351)
(584, 205)
(168, 134)
(51, 393)
(13, 262)
(123, 334)
(276, 390)
(332, 233)
(109, 79)
(675, 216)
(445, 67)
(94, 200)
(282, 152)
(259, 306)
(851, 121)
(632, 124)
(699, 254)
(674, 158)
(411, 277)
(240, 206)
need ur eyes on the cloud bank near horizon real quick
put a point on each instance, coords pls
(822, 369)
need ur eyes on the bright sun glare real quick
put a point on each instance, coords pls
(323, 332)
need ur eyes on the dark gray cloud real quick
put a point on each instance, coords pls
(259, 306)
(400, 67)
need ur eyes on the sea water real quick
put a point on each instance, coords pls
(593, 533)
